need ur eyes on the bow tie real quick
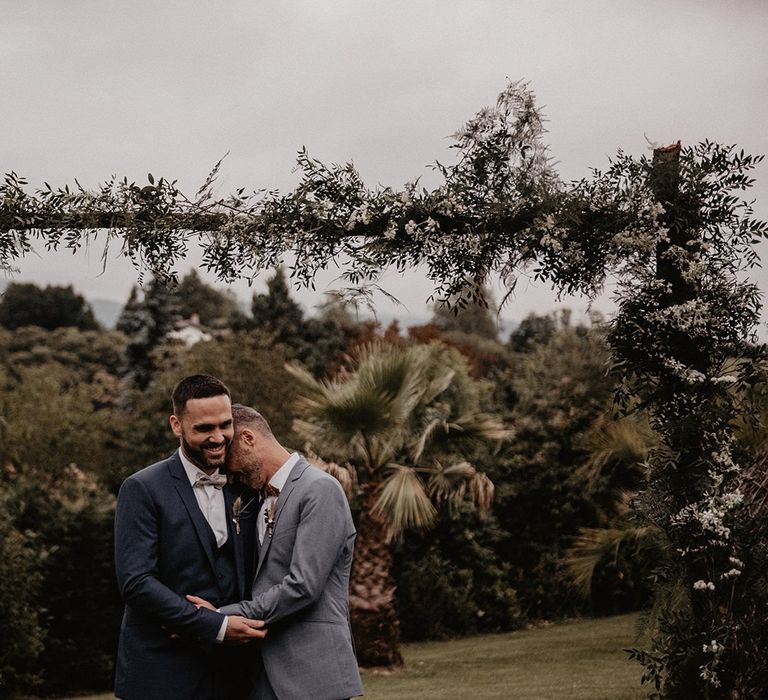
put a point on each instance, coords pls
(215, 480)
(268, 491)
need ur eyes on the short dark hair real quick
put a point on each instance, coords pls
(196, 386)
(246, 416)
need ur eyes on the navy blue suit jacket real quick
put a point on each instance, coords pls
(164, 549)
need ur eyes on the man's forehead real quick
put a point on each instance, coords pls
(209, 409)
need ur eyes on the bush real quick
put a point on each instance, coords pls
(560, 388)
(21, 560)
(453, 583)
(78, 599)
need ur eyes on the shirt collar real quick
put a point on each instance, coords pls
(281, 475)
(192, 470)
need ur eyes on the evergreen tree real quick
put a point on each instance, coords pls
(146, 322)
(532, 331)
(130, 320)
(25, 304)
(315, 341)
(276, 312)
(215, 308)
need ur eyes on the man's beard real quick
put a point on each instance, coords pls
(199, 457)
(250, 476)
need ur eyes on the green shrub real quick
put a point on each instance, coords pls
(452, 582)
(21, 560)
(71, 516)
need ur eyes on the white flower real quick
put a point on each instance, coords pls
(704, 585)
(359, 214)
(727, 379)
(713, 648)
(710, 676)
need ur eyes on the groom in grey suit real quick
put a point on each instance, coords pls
(304, 555)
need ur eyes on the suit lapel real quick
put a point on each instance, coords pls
(282, 499)
(184, 489)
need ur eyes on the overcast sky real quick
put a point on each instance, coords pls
(95, 88)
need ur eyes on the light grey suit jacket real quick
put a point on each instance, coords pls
(301, 591)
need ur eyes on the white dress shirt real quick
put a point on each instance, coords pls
(278, 481)
(209, 498)
(211, 502)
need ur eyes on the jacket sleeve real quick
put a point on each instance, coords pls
(322, 533)
(137, 535)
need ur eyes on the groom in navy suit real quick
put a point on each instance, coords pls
(174, 534)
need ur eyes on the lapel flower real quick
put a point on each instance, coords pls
(269, 517)
(238, 510)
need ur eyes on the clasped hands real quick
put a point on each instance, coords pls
(239, 629)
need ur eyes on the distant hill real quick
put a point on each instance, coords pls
(106, 311)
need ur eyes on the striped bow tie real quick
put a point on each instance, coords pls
(216, 480)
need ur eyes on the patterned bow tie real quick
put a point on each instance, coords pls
(269, 491)
(216, 480)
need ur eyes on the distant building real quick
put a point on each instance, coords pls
(189, 331)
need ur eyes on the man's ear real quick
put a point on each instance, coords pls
(247, 436)
(175, 425)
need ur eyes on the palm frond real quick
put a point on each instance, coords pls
(396, 375)
(325, 441)
(424, 437)
(403, 502)
(345, 475)
(376, 399)
(593, 545)
(437, 385)
(311, 387)
(481, 490)
(451, 485)
(461, 434)
(627, 441)
(381, 449)
(400, 404)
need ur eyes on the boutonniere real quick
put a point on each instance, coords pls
(238, 510)
(269, 518)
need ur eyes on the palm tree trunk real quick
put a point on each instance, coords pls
(375, 624)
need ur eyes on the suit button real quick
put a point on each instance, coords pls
(221, 577)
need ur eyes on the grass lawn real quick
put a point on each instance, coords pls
(579, 660)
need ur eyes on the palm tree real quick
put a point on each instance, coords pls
(404, 421)
(617, 451)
